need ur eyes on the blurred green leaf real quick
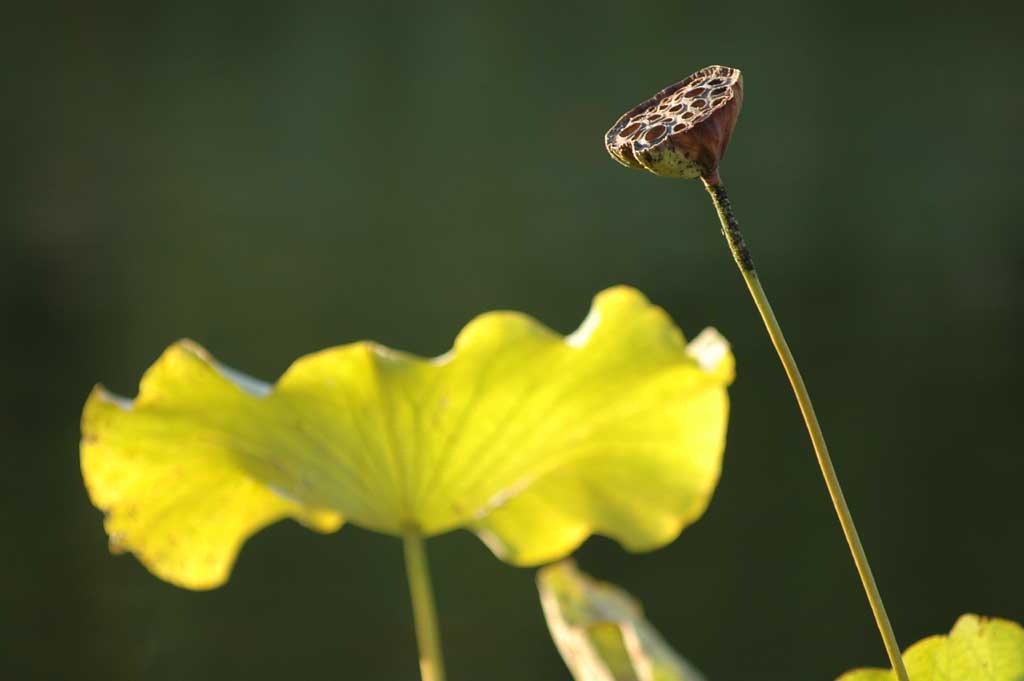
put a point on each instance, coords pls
(601, 631)
(531, 439)
(977, 649)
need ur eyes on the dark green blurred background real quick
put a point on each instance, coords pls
(271, 182)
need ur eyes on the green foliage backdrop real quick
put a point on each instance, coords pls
(274, 181)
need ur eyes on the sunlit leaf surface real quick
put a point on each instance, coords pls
(601, 631)
(977, 649)
(531, 439)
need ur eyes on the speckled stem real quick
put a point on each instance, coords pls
(740, 252)
(428, 636)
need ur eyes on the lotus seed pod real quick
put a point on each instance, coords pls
(683, 130)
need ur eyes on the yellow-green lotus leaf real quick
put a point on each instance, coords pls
(601, 633)
(532, 439)
(977, 649)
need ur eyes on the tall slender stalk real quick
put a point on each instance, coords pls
(741, 254)
(428, 636)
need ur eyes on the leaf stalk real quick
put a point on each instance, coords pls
(428, 636)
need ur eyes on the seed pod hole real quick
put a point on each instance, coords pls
(629, 129)
(654, 133)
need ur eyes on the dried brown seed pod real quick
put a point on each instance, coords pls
(683, 130)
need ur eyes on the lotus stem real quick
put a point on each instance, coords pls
(741, 254)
